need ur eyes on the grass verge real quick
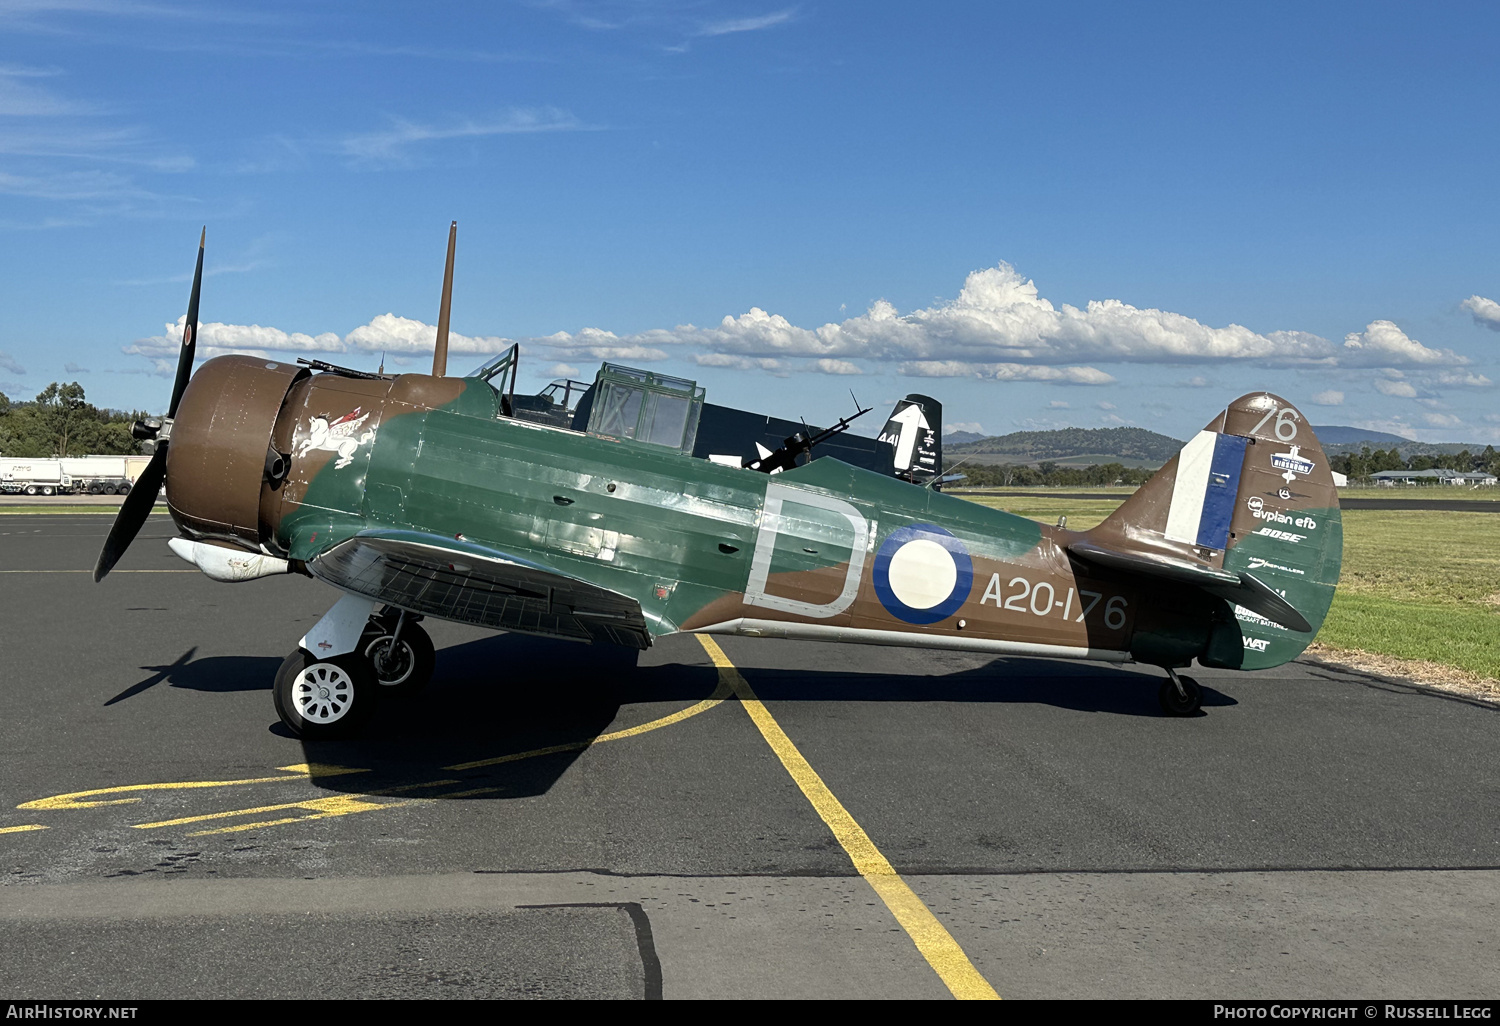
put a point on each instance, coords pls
(1467, 639)
(1419, 595)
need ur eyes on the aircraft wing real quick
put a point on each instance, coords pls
(1242, 588)
(459, 580)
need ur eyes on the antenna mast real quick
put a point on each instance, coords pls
(440, 354)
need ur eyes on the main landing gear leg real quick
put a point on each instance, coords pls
(1179, 695)
(399, 652)
(326, 688)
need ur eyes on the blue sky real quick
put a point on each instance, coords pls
(1042, 214)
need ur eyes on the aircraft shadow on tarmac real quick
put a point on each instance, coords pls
(511, 694)
(214, 673)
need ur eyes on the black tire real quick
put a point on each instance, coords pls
(412, 668)
(123, 489)
(46, 489)
(95, 488)
(349, 699)
(1174, 704)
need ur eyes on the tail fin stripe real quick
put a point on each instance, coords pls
(1193, 466)
(1223, 489)
(1208, 480)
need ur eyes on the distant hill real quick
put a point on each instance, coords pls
(1138, 447)
(1338, 440)
(1131, 446)
(1405, 448)
(1336, 434)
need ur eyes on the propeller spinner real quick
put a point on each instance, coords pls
(137, 505)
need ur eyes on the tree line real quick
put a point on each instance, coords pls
(1355, 465)
(1367, 462)
(1046, 474)
(61, 422)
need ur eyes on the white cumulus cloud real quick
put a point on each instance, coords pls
(217, 339)
(1332, 397)
(1486, 312)
(1383, 344)
(998, 327)
(1005, 372)
(389, 333)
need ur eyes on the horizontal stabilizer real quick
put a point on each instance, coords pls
(1239, 588)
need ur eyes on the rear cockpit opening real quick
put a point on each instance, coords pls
(628, 403)
(623, 402)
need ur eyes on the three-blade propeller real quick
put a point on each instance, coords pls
(137, 505)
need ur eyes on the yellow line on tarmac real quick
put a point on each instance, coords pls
(722, 692)
(934, 942)
(337, 805)
(21, 829)
(77, 799)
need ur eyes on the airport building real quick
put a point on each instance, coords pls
(1391, 478)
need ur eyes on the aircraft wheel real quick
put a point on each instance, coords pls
(321, 698)
(406, 670)
(1174, 704)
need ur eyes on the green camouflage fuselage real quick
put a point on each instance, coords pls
(825, 550)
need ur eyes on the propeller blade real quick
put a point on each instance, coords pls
(189, 334)
(133, 513)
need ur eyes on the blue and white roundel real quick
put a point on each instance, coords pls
(923, 574)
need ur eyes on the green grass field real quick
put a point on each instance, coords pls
(1416, 584)
(1431, 492)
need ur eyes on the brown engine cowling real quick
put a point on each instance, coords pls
(217, 458)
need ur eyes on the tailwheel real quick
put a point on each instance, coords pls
(320, 698)
(1180, 695)
(399, 653)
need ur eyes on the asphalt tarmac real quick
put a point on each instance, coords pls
(1315, 833)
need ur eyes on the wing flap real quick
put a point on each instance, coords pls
(455, 579)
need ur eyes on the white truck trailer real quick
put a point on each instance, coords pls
(99, 475)
(34, 477)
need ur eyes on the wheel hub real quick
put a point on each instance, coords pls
(323, 693)
(393, 663)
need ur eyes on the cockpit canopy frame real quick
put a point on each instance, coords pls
(645, 406)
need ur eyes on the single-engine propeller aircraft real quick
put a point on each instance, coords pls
(590, 513)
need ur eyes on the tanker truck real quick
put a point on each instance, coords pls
(34, 477)
(99, 475)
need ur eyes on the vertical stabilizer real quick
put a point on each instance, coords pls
(915, 434)
(1252, 493)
